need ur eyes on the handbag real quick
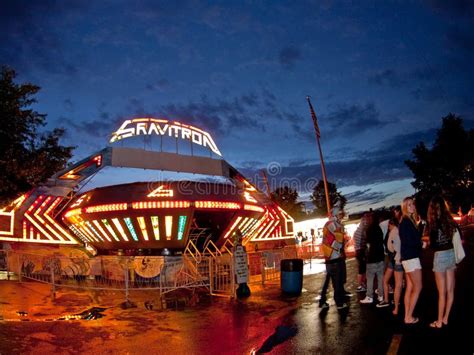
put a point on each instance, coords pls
(459, 253)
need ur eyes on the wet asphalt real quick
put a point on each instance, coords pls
(266, 322)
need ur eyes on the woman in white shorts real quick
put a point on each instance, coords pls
(440, 230)
(410, 251)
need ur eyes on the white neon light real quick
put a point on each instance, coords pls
(150, 126)
(161, 192)
(168, 226)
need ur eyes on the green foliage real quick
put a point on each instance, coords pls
(318, 197)
(446, 168)
(287, 198)
(27, 156)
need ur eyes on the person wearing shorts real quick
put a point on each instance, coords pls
(410, 251)
(394, 267)
(440, 230)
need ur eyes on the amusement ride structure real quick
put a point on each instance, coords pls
(152, 215)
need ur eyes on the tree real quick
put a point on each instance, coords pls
(318, 197)
(287, 198)
(27, 156)
(446, 168)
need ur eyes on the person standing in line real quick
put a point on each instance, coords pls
(361, 253)
(375, 260)
(440, 229)
(394, 267)
(332, 246)
(410, 251)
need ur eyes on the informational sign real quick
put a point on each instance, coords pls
(147, 266)
(240, 265)
(162, 127)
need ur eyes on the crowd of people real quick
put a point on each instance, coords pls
(389, 248)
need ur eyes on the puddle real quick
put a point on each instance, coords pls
(282, 333)
(89, 314)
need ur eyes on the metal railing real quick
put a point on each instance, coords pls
(211, 270)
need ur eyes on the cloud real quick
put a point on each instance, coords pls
(387, 77)
(367, 196)
(353, 119)
(28, 37)
(288, 56)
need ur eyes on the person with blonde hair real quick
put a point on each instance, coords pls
(440, 229)
(410, 251)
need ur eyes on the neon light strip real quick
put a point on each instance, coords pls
(160, 204)
(233, 226)
(72, 213)
(129, 225)
(142, 224)
(91, 235)
(12, 222)
(41, 220)
(217, 205)
(168, 226)
(106, 208)
(243, 226)
(101, 230)
(119, 227)
(89, 224)
(24, 230)
(79, 233)
(253, 208)
(110, 229)
(181, 225)
(53, 222)
(249, 226)
(155, 225)
(33, 222)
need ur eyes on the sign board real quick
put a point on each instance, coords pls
(240, 265)
(163, 127)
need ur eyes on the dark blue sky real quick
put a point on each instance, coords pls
(381, 75)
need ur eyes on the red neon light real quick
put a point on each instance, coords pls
(253, 208)
(218, 205)
(160, 204)
(106, 208)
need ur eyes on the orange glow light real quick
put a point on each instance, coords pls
(218, 205)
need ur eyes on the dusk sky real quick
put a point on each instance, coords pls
(381, 76)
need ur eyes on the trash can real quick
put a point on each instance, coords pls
(291, 276)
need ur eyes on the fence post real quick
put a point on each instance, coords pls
(211, 275)
(232, 275)
(126, 284)
(19, 268)
(263, 262)
(6, 262)
(53, 286)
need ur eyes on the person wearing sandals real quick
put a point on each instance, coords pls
(394, 267)
(410, 251)
(440, 229)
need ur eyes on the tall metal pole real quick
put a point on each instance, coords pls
(265, 180)
(323, 168)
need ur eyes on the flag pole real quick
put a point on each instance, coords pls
(323, 169)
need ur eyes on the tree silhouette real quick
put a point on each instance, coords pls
(318, 197)
(287, 198)
(27, 156)
(446, 168)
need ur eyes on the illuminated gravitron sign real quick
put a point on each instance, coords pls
(162, 127)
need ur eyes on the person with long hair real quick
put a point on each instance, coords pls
(394, 267)
(410, 252)
(440, 229)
